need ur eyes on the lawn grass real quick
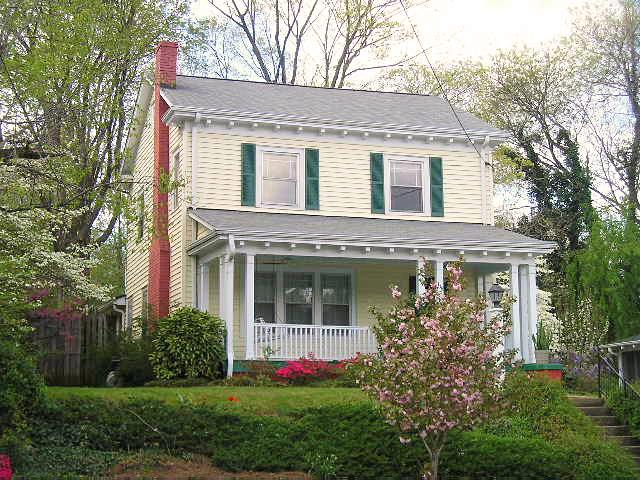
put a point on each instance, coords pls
(259, 400)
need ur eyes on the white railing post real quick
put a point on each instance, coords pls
(249, 304)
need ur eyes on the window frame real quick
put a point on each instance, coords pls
(317, 272)
(300, 176)
(426, 183)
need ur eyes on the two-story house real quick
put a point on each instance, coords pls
(299, 206)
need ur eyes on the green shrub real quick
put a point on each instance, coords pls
(354, 436)
(21, 385)
(627, 410)
(135, 367)
(188, 343)
(132, 349)
(66, 463)
(543, 404)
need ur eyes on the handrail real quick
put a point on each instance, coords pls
(610, 379)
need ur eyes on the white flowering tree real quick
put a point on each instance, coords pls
(438, 365)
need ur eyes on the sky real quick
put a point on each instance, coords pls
(453, 30)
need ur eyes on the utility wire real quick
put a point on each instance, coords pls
(440, 84)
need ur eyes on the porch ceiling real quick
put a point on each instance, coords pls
(364, 232)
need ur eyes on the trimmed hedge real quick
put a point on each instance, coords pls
(67, 463)
(365, 446)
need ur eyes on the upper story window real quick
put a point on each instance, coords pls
(407, 178)
(280, 177)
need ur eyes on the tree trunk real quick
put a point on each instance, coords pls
(430, 471)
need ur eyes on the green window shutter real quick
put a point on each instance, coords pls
(437, 191)
(312, 178)
(377, 183)
(248, 193)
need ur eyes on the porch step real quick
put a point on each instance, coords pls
(634, 450)
(595, 409)
(600, 411)
(605, 420)
(615, 430)
(623, 439)
(580, 401)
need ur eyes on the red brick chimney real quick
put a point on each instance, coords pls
(160, 252)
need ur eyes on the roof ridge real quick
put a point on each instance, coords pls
(360, 90)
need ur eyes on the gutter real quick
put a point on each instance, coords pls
(195, 164)
(177, 112)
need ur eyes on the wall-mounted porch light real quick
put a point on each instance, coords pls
(496, 292)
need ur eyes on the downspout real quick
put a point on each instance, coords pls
(194, 202)
(123, 315)
(194, 161)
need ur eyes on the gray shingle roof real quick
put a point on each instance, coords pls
(356, 108)
(365, 229)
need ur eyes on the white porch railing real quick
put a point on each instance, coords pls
(286, 342)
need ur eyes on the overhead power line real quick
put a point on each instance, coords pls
(439, 82)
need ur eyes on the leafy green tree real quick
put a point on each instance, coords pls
(319, 42)
(607, 274)
(67, 88)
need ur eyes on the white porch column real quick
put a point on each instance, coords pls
(420, 286)
(526, 342)
(440, 273)
(249, 303)
(514, 281)
(620, 365)
(203, 287)
(226, 304)
(533, 311)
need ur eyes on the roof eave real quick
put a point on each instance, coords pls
(536, 247)
(138, 120)
(177, 113)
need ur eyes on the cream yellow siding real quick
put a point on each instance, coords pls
(345, 188)
(239, 330)
(137, 266)
(178, 238)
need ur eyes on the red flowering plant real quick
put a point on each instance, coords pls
(439, 364)
(309, 369)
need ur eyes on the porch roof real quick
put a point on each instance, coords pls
(301, 227)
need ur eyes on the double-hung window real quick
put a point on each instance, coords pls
(336, 299)
(304, 297)
(265, 297)
(298, 298)
(407, 178)
(280, 177)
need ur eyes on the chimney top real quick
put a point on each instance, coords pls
(166, 62)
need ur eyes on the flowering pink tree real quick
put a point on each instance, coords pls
(438, 365)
